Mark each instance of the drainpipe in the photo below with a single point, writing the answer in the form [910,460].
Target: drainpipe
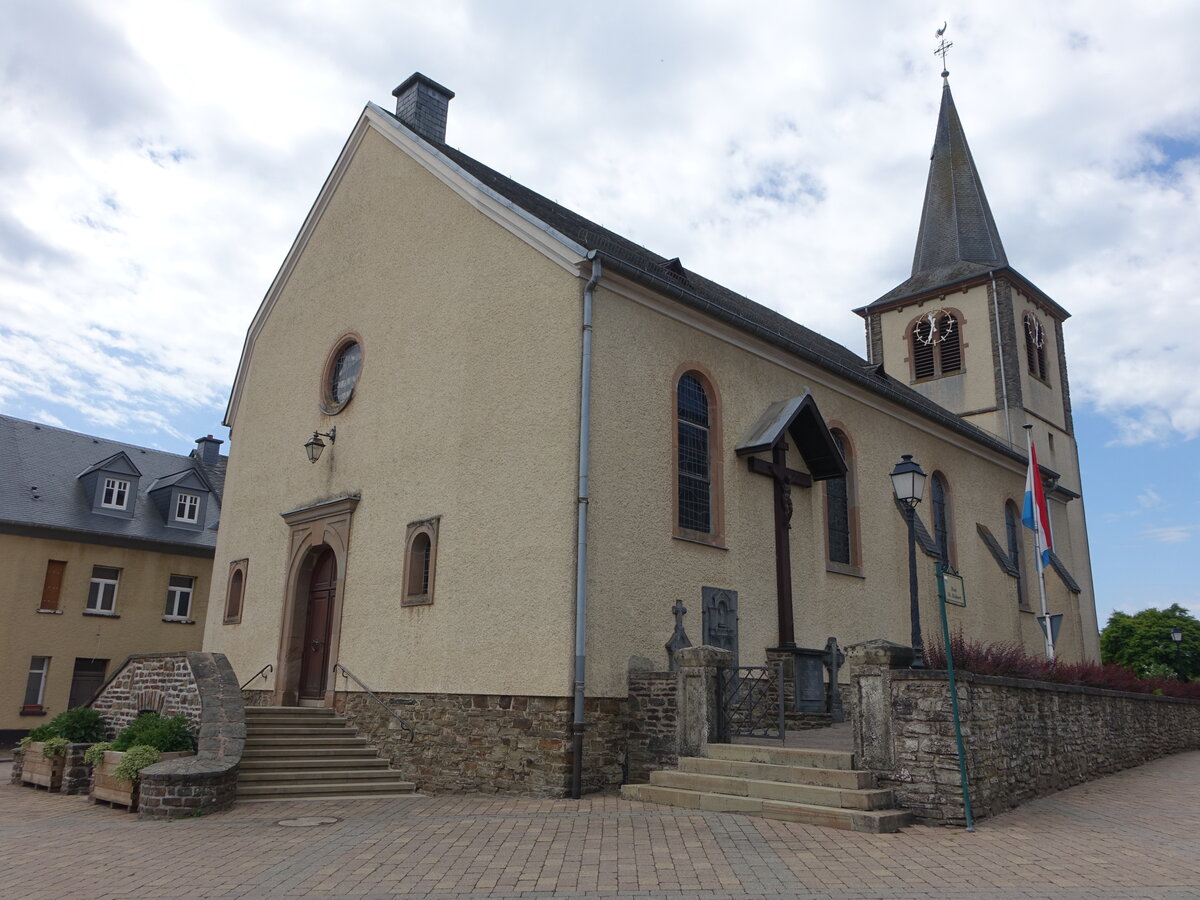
[585,427]
[1000,354]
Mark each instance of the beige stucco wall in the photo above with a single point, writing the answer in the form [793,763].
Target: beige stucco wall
[638,569]
[138,626]
[467,408]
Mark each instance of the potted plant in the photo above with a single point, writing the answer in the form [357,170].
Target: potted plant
[44,750]
[148,739]
[42,760]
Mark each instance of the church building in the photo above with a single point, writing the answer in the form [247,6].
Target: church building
[531,438]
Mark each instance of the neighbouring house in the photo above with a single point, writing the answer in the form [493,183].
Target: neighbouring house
[530,438]
[108,551]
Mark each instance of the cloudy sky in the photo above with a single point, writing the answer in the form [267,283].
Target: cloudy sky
[158,158]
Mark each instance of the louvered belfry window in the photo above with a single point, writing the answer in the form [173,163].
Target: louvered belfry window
[694,463]
[936,346]
[1035,347]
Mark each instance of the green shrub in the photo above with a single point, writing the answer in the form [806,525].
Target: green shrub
[94,755]
[55,746]
[136,759]
[170,735]
[41,733]
[80,725]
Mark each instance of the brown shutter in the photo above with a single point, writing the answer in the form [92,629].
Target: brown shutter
[53,583]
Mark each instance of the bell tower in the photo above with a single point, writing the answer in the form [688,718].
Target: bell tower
[966,329]
[974,335]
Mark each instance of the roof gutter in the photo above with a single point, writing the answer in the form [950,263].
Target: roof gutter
[581,511]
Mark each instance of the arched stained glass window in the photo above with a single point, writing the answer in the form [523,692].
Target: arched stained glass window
[694,459]
[837,510]
[1013,532]
[941,517]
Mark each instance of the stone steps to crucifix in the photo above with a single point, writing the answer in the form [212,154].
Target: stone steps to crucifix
[815,787]
[874,821]
[847,779]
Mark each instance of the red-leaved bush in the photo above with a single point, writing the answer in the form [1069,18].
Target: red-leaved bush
[1011,661]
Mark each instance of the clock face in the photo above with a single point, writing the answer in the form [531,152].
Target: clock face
[344,374]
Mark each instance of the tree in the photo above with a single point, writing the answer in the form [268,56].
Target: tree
[1142,642]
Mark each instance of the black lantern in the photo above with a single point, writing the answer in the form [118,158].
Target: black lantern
[314,445]
[908,483]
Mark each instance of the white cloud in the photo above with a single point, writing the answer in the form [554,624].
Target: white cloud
[1171,534]
[156,161]
[1149,498]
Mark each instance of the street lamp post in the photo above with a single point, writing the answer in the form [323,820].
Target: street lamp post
[908,483]
[1177,637]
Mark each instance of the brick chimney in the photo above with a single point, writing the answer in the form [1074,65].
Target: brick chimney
[421,105]
[208,448]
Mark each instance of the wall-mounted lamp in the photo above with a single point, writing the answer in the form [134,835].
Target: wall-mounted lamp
[315,445]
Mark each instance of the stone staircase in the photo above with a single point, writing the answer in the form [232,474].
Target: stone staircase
[815,787]
[297,753]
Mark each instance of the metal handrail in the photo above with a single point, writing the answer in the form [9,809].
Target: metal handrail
[412,735]
[263,672]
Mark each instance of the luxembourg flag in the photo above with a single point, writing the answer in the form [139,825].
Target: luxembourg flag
[1036,516]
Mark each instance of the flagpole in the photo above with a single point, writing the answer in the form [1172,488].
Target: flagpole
[1039,562]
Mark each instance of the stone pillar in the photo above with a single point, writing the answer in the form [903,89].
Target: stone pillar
[698,712]
[77,775]
[871,664]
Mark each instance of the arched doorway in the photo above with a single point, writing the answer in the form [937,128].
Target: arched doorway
[318,626]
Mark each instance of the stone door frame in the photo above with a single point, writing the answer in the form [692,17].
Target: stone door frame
[312,530]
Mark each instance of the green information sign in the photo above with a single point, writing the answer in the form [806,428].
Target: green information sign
[954,590]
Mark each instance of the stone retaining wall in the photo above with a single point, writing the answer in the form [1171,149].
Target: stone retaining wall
[161,682]
[652,723]
[1023,739]
[490,743]
[203,687]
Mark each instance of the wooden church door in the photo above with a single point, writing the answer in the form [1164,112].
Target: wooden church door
[314,657]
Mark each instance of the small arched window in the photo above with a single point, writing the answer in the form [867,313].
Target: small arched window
[936,345]
[1035,347]
[940,497]
[1013,532]
[841,513]
[420,559]
[694,481]
[235,591]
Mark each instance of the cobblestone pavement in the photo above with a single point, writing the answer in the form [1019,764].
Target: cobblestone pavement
[1134,834]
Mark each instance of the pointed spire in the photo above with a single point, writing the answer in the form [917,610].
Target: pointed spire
[956,221]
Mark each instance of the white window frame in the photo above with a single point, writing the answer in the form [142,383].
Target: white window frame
[187,507]
[178,596]
[41,673]
[103,583]
[116,494]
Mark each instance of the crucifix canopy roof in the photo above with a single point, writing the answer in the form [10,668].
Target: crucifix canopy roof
[800,418]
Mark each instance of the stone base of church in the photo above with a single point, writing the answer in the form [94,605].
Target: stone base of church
[492,743]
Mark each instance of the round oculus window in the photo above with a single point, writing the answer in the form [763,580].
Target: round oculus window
[343,375]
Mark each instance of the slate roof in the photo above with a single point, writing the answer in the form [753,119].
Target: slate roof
[40,492]
[669,277]
[957,238]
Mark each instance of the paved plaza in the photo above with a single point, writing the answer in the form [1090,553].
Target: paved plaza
[1134,834]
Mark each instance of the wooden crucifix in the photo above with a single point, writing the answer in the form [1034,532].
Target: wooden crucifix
[784,478]
[799,419]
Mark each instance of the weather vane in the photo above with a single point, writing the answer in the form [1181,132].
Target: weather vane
[942,48]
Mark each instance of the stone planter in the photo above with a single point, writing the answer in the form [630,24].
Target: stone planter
[41,770]
[109,788]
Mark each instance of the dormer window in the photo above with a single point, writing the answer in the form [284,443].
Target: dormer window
[111,486]
[182,499]
[187,508]
[115,493]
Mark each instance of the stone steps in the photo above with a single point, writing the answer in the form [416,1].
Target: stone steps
[851,779]
[814,787]
[300,753]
